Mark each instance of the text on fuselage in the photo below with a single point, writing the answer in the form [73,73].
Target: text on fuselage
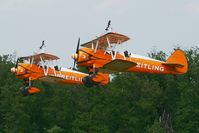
[67,77]
[150,67]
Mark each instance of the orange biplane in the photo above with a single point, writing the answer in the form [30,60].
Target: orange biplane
[40,67]
[100,55]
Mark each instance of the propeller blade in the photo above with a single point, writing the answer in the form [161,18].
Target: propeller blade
[77,50]
[16,65]
[78,46]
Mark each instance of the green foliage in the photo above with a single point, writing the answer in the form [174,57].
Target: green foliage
[55,129]
[132,102]
[156,127]
[159,55]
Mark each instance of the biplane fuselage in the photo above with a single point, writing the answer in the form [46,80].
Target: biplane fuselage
[36,72]
[95,54]
[135,63]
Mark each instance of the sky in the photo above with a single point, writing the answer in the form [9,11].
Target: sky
[160,24]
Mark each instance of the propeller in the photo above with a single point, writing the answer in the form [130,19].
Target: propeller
[14,69]
[16,65]
[76,55]
[78,46]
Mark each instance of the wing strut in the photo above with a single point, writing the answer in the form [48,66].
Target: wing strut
[96,46]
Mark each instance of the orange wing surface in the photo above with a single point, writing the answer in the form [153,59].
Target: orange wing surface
[119,65]
[102,41]
[37,57]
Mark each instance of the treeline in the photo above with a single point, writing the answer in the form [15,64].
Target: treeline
[131,103]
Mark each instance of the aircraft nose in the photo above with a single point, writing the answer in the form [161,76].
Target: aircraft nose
[13,70]
[74,56]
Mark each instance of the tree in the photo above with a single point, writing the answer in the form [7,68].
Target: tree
[132,102]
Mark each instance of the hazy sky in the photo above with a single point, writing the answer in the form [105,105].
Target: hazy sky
[160,23]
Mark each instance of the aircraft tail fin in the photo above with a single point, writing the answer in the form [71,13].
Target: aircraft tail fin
[178,61]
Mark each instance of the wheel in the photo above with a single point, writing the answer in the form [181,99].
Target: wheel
[88,81]
[24,90]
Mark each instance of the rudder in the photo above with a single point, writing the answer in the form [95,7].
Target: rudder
[179,60]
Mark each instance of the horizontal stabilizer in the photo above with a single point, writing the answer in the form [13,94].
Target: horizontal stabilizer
[173,64]
[178,62]
[119,65]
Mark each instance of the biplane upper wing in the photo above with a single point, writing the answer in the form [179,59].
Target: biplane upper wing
[119,65]
[43,56]
[112,37]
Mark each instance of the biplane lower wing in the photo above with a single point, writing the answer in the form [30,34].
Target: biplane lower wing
[51,79]
[119,65]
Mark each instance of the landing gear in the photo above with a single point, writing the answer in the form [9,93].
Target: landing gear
[88,80]
[24,90]
[29,90]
